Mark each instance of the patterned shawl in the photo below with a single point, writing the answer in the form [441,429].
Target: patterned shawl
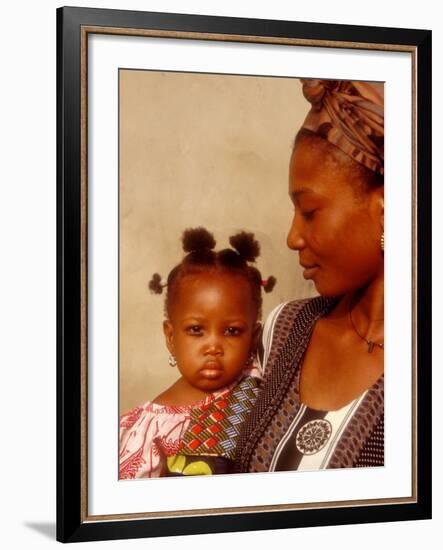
[279,400]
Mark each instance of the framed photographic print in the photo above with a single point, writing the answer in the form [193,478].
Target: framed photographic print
[206,381]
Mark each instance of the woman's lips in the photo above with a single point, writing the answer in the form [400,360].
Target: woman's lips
[309,271]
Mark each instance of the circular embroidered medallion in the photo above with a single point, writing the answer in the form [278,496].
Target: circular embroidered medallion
[313,436]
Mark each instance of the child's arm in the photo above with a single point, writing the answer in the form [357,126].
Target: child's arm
[139,455]
[147,436]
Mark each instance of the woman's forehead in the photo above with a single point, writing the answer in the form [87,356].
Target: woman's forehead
[316,170]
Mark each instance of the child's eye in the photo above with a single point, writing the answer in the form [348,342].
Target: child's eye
[233,331]
[195,330]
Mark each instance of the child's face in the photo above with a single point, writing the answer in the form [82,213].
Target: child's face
[212,329]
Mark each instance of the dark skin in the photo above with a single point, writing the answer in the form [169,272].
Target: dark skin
[336,230]
[211,331]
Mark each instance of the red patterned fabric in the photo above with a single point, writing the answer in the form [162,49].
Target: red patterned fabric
[152,432]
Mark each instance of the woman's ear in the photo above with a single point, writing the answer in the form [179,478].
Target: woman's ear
[169,336]
[377,206]
[382,210]
[380,205]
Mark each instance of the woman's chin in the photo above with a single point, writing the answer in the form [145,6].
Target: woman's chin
[328,291]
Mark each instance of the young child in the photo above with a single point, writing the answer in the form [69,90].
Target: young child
[212,307]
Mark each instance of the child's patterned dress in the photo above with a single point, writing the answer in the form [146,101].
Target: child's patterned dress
[159,440]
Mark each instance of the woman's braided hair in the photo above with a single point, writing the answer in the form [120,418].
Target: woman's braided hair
[201,257]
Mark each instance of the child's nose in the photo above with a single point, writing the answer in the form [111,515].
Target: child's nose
[213,346]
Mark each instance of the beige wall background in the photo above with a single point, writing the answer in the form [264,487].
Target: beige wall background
[198,149]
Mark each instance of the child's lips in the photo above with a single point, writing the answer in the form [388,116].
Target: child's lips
[212,370]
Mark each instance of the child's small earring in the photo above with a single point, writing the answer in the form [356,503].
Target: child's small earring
[172,361]
[250,360]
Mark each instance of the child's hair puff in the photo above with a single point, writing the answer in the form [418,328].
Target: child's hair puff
[201,257]
[155,284]
[197,239]
[269,283]
[245,245]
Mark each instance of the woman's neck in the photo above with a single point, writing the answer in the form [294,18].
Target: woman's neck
[366,306]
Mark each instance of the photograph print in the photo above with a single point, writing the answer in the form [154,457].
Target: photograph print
[251,274]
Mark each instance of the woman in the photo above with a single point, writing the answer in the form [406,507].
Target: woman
[322,404]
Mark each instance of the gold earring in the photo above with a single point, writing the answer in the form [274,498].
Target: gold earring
[382,242]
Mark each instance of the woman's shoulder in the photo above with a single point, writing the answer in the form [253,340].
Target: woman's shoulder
[288,311]
[314,304]
[283,318]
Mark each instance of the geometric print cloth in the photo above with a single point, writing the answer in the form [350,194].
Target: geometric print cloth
[263,439]
[214,429]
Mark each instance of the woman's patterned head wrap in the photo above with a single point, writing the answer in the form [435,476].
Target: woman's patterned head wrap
[350,115]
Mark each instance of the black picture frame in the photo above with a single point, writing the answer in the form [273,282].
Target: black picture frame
[73,523]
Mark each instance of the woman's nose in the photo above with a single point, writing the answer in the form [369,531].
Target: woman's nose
[295,239]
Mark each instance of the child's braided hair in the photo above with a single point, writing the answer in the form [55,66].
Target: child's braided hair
[201,257]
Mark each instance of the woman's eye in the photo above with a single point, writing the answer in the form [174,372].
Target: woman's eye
[308,214]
